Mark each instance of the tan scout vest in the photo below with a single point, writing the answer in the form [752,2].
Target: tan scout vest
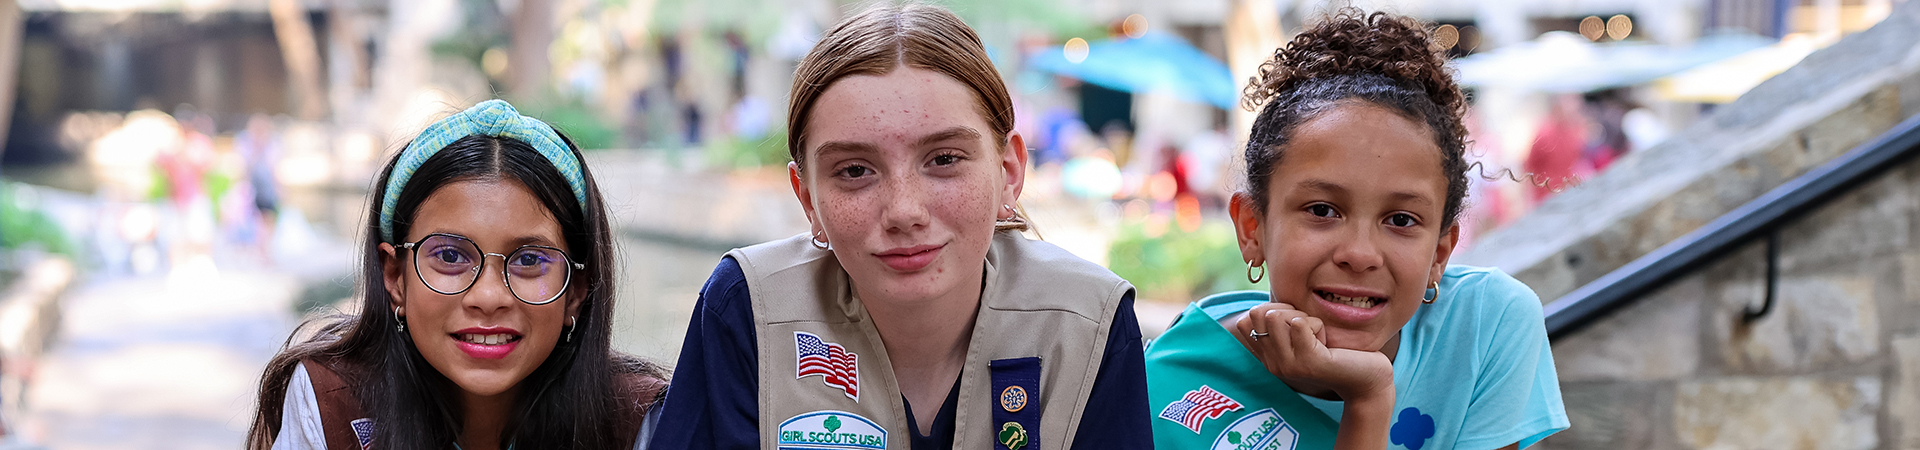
[1038,301]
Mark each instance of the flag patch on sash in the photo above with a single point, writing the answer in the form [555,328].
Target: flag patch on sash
[836,366]
[1195,408]
[363,431]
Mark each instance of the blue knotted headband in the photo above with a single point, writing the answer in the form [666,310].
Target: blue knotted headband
[489,118]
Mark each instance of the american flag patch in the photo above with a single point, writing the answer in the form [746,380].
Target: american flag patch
[836,366]
[363,430]
[1193,409]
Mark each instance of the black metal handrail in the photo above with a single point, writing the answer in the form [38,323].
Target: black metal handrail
[1762,217]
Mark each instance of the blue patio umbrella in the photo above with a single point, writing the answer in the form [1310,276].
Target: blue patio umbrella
[1152,63]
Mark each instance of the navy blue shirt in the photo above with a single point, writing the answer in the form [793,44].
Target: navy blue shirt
[713,402]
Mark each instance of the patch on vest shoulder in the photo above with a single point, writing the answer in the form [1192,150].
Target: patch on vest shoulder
[1262,430]
[831,430]
[363,431]
[1199,405]
[836,366]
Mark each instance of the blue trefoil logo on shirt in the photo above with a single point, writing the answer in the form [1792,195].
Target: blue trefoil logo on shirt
[1411,430]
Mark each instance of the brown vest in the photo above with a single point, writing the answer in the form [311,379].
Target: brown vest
[340,408]
[826,381]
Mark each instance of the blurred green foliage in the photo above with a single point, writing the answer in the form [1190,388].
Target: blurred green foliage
[738,152]
[22,226]
[580,122]
[1178,265]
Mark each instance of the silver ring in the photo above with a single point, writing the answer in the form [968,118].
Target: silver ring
[1255,334]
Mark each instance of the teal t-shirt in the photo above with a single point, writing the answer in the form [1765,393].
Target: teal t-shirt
[1474,369]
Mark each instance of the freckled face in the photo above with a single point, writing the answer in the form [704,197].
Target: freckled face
[1352,231]
[498,216]
[905,179]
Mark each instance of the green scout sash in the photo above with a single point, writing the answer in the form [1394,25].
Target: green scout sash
[1206,391]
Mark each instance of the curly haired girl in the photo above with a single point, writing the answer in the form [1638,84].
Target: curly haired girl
[1366,338]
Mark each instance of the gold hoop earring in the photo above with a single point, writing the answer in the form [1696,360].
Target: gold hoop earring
[1433,294]
[1256,279]
[820,242]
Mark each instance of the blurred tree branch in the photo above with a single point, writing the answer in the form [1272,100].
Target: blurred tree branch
[302,56]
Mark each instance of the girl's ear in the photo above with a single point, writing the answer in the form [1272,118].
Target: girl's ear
[1013,162]
[1442,252]
[393,276]
[1248,226]
[574,300]
[805,195]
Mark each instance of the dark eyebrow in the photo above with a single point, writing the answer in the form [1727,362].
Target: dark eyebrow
[1332,188]
[955,133]
[533,240]
[844,147]
[1404,196]
[1323,186]
[517,241]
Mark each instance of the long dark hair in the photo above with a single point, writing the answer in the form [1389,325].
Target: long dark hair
[1378,58]
[572,401]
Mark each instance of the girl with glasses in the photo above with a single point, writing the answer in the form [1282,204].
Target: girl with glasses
[1366,338]
[914,315]
[486,295]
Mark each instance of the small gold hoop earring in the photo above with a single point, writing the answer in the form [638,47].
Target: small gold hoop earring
[1433,294]
[1256,279]
[820,242]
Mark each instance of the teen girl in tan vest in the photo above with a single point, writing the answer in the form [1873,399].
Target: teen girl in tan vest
[915,315]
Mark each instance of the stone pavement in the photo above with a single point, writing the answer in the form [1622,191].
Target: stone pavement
[159,363]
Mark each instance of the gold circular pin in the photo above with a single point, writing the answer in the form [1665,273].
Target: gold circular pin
[1013,399]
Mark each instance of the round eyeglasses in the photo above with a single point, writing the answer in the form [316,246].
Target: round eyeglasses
[449,264]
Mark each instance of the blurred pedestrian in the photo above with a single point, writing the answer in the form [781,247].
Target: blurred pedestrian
[260,149]
[452,348]
[1558,147]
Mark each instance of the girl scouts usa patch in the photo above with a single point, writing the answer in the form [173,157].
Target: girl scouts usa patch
[1262,430]
[831,430]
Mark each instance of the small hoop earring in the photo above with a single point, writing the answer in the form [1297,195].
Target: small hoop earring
[399,320]
[1256,279]
[819,242]
[571,324]
[1433,293]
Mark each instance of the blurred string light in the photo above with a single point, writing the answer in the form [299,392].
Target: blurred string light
[1593,28]
[1619,27]
[1075,50]
[1446,36]
[1134,26]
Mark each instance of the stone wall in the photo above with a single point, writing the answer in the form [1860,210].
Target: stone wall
[1836,364]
